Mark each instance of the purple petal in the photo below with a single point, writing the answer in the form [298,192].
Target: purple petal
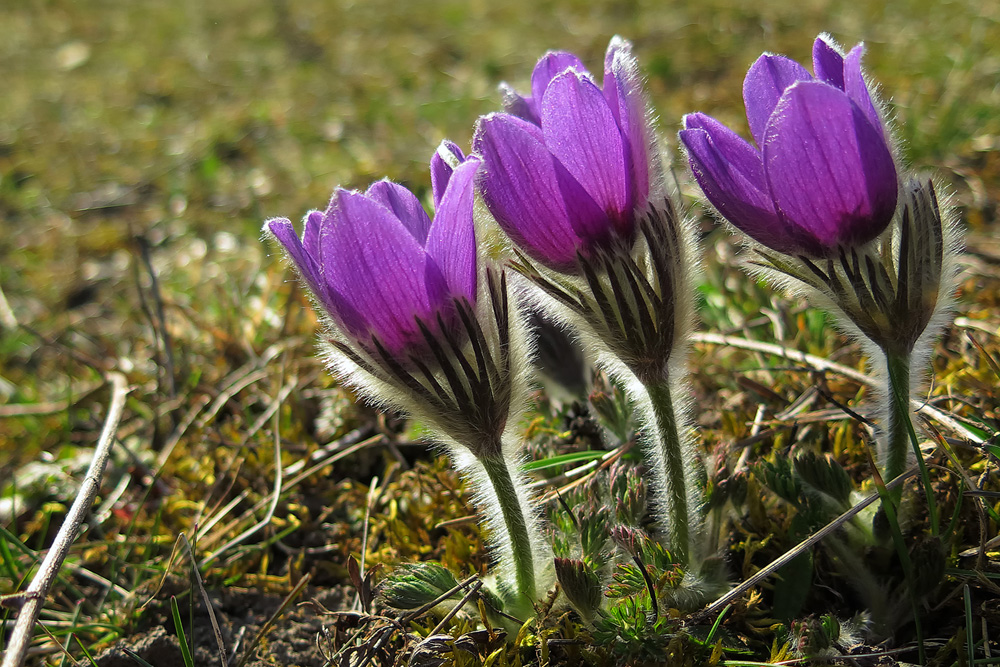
[582,134]
[731,174]
[308,263]
[844,72]
[447,154]
[379,270]
[526,190]
[855,87]
[828,168]
[452,239]
[766,80]
[404,205]
[519,106]
[828,63]
[310,235]
[551,65]
[284,232]
[623,91]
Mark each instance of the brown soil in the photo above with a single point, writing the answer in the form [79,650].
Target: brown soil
[290,642]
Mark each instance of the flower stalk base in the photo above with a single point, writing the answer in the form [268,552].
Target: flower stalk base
[516,524]
[672,485]
[898,424]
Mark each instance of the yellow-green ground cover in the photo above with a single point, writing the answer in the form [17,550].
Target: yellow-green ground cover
[142,144]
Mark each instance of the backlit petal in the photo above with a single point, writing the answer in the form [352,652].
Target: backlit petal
[828,63]
[766,80]
[443,164]
[310,235]
[284,232]
[551,65]
[452,239]
[857,89]
[526,189]
[404,205]
[731,174]
[623,91]
[829,170]
[517,105]
[582,134]
[379,269]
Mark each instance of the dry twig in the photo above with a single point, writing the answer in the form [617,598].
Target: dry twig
[34,595]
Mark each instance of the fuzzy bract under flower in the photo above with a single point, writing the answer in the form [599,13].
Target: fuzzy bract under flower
[377,263]
[821,175]
[566,169]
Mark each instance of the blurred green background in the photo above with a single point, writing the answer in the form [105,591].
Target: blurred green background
[191,119]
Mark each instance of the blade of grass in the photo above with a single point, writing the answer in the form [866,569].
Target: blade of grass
[179,629]
[163,578]
[970,644]
[11,538]
[718,622]
[135,657]
[7,559]
[64,649]
[563,459]
[86,653]
[969,484]
[69,637]
[275,498]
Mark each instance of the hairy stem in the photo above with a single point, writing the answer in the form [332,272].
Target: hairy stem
[516,524]
[668,453]
[897,428]
[900,434]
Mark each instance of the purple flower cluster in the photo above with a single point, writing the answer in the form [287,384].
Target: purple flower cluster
[571,173]
[821,175]
[569,169]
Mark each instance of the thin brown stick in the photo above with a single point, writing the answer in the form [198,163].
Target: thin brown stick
[782,351]
[38,589]
[219,641]
[457,608]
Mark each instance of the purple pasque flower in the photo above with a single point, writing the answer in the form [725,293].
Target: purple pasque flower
[377,263]
[821,175]
[566,169]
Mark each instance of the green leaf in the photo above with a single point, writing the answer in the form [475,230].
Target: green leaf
[792,587]
[416,584]
[563,459]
